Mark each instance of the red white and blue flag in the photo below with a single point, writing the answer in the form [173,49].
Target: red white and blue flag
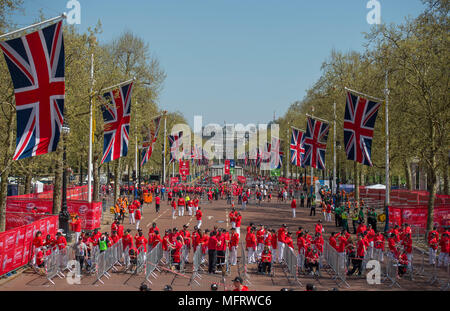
[174,145]
[147,150]
[359,124]
[315,143]
[36,64]
[296,147]
[116,117]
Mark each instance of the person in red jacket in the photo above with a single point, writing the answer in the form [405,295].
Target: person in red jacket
[212,252]
[318,243]
[50,242]
[444,244]
[157,203]
[274,245]
[281,242]
[181,206]
[38,243]
[140,240]
[379,246]
[232,216]
[238,287]
[266,261]
[76,227]
[61,241]
[138,217]
[176,255]
[312,260]
[250,244]
[260,234]
[115,226]
[186,235]
[156,240]
[131,210]
[198,215]
[127,240]
[294,207]
[234,241]
[332,240]
[371,239]
[153,228]
[238,224]
[114,237]
[433,244]
[174,208]
[319,227]
[403,263]
[289,242]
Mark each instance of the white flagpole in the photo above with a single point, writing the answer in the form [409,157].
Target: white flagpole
[387,193]
[164,152]
[333,188]
[288,153]
[90,132]
[54,19]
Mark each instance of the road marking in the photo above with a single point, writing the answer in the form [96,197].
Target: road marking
[156,218]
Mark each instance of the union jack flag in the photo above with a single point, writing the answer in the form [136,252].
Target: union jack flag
[315,143]
[276,154]
[116,117]
[36,64]
[174,145]
[147,152]
[359,123]
[297,149]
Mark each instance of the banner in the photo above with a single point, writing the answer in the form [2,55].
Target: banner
[174,180]
[226,167]
[417,216]
[242,179]
[275,172]
[184,167]
[216,179]
[16,243]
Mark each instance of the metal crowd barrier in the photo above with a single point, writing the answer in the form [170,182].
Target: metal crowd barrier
[243,270]
[291,262]
[106,260]
[391,271]
[196,265]
[140,263]
[63,260]
[336,262]
[301,262]
[152,261]
[184,250]
[51,266]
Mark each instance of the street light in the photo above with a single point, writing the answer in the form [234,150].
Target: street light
[64,214]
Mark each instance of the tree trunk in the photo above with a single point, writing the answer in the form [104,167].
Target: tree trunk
[6,170]
[57,185]
[446,190]
[408,174]
[96,179]
[28,177]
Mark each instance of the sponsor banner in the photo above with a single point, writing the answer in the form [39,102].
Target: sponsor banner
[226,167]
[216,179]
[16,243]
[174,180]
[242,179]
[184,167]
[417,216]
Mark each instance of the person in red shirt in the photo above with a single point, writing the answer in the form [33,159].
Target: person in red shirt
[361,228]
[312,261]
[198,215]
[50,242]
[328,211]
[212,252]
[181,206]
[176,255]
[266,261]
[371,239]
[174,208]
[114,237]
[238,287]
[403,263]
[332,240]
[138,217]
[232,216]
[221,248]
[141,241]
[76,227]
[318,243]
[186,235]
[319,227]
[281,242]
[127,240]
[294,207]
[444,244]
[433,244]
[131,210]
[260,235]
[342,243]
[234,241]
[392,244]
[250,244]
[156,239]
[238,223]
[157,203]
[115,226]
[289,241]
[38,243]
[153,228]
[61,241]
[407,246]
[379,246]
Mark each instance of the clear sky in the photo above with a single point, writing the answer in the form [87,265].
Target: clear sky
[237,61]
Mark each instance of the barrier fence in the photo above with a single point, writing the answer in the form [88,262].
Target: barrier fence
[336,262]
[291,262]
[152,261]
[243,266]
[196,265]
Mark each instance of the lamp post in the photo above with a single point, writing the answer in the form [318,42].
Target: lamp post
[64,214]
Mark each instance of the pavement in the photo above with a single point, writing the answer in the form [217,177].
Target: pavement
[271,214]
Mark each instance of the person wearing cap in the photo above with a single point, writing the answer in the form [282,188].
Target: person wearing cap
[238,287]
[281,238]
[61,241]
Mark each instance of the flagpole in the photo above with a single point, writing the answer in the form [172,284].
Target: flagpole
[117,85]
[288,158]
[164,152]
[90,132]
[311,116]
[333,188]
[54,19]
[387,194]
[362,94]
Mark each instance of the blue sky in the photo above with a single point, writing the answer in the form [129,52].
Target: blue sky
[237,61]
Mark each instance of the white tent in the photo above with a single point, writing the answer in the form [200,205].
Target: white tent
[377,186]
[38,187]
